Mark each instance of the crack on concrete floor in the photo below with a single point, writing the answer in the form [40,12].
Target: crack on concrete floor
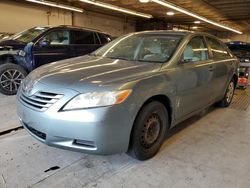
[10,130]
[3,178]
[56,172]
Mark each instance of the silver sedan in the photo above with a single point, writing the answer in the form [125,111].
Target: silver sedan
[126,95]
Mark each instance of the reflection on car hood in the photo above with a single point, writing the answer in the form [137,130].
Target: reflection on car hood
[91,71]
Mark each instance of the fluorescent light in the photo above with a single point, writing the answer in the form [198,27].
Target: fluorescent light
[197,22]
[194,27]
[144,1]
[116,8]
[170,13]
[182,10]
[57,5]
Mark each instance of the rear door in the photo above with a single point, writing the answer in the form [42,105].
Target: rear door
[54,46]
[193,77]
[223,64]
[84,42]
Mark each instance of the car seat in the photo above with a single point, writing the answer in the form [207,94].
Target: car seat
[188,54]
[155,53]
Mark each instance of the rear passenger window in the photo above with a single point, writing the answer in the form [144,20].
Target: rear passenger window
[195,50]
[103,38]
[218,50]
[82,37]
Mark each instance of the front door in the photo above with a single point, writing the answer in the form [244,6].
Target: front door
[53,47]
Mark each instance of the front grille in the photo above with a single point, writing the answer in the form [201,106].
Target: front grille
[36,132]
[40,101]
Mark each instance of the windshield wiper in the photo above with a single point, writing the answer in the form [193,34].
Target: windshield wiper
[140,60]
[121,58]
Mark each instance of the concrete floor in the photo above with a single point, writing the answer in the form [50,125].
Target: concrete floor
[8,117]
[210,152]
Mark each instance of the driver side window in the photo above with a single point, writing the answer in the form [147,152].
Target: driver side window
[57,38]
[196,50]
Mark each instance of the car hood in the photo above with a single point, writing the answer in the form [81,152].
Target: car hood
[11,44]
[84,71]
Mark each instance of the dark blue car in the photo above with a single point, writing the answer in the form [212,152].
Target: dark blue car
[37,46]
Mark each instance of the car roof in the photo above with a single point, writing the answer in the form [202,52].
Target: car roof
[76,27]
[172,32]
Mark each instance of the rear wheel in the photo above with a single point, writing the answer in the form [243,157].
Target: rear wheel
[148,131]
[11,76]
[226,101]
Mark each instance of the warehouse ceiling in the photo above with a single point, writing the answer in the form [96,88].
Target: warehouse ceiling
[232,13]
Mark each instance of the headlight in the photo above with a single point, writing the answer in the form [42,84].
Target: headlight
[97,99]
[21,53]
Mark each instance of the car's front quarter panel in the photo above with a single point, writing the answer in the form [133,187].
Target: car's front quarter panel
[157,84]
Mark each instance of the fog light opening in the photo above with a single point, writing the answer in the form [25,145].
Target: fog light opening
[84,143]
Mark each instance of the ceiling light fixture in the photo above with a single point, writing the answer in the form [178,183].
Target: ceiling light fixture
[187,12]
[170,13]
[194,27]
[116,8]
[197,22]
[56,5]
[144,1]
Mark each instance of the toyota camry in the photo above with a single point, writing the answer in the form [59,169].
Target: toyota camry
[126,95]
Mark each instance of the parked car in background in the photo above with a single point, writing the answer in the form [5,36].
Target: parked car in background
[5,35]
[242,51]
[243,74]
[25,51]
[126,95]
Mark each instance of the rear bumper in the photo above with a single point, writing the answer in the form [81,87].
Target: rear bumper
[242,84]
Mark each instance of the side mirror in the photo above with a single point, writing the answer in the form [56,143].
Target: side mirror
[184,61]
[44,43]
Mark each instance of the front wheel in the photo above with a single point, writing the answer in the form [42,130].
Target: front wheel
[227,99]
[11,76]
[148,131]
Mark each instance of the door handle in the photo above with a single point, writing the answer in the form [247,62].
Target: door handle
[211,68]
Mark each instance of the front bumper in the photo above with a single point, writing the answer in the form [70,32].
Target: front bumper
[104,130]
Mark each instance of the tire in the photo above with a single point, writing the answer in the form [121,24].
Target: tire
[11,76]
[148,131]
[227,99]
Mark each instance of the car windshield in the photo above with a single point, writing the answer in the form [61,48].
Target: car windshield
[141,47]
[29,35]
